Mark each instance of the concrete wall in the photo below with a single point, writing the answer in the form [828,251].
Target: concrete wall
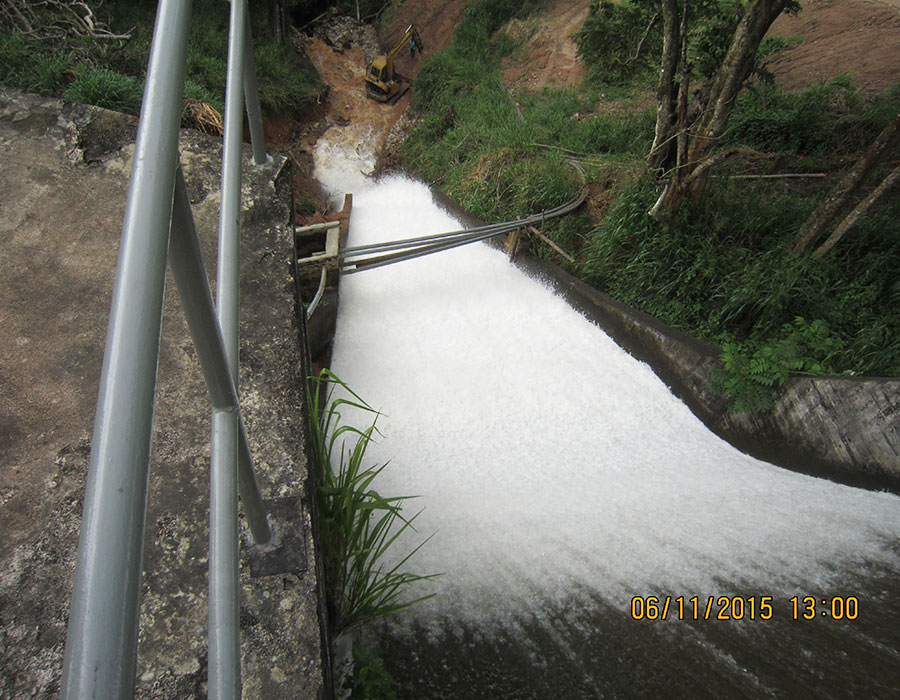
[843,428]
[64,171]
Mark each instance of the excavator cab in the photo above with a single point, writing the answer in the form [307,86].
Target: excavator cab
[383,84]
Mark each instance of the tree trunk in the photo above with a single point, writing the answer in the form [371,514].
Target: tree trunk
[277,17]
[857,212]
[814,226]
[689,178]
[665,91]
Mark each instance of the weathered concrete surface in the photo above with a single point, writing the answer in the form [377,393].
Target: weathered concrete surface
[63,184]
[842,428]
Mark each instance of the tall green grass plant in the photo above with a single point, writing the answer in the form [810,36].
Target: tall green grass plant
[359,526]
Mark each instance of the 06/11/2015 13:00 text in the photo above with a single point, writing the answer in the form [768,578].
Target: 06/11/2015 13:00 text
[741,608]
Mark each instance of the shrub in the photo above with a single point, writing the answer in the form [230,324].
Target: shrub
[106,88]
[368,679]
[609,38]
[753,371]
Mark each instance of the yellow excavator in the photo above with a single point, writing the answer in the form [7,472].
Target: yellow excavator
[382,83]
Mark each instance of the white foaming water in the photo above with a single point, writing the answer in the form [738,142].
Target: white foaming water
[549,462]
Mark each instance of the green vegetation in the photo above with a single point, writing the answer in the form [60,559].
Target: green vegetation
[110,72]
[752,370]
[358,525]
[106,88]
[368,679]
[608,42]
[481,145]
[722,271]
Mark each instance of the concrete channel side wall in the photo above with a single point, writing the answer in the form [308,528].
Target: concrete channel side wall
[843,428]
[64,172]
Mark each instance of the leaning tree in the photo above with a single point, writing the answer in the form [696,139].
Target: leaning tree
[690,125]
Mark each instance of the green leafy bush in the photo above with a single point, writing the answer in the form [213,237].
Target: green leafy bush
[609,38]
[368,679]
[753,371]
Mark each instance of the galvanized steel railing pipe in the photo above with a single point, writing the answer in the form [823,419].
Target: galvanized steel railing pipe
[101,643]
[224,586]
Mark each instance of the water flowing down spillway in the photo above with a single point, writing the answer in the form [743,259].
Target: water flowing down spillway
[562,478]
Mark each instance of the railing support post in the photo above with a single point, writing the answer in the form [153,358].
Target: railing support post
[101,641]
[196,299]
[251,97]
[224,631]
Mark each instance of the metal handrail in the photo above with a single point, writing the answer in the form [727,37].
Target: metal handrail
[101,643]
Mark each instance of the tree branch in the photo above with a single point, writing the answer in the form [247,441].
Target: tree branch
[825,212]
[857,212]
[653,21]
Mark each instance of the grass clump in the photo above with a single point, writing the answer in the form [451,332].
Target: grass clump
[106,88]
[358,525]
[25,66]
[829,118]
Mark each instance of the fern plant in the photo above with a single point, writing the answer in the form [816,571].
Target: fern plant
[752,372]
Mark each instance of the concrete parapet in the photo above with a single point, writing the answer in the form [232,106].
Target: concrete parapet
[64,169]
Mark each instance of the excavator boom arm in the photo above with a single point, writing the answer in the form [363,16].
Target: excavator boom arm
[411,34]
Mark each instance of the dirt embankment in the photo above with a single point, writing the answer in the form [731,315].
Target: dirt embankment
[549,54]
[858,37]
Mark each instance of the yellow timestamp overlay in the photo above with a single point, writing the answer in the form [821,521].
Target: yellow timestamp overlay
[725,607]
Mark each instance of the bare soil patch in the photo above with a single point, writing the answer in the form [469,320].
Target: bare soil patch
[435,21]
[549,56]
[859,37]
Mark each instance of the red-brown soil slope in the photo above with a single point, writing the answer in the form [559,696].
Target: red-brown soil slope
[859,37]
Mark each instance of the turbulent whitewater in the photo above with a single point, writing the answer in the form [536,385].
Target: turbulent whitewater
[550,463]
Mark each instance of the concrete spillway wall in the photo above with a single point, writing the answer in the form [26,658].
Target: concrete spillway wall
[842,428]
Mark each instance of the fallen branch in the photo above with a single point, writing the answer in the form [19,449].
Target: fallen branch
[551,244]
[54,19]
[843,191]
[857,212]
